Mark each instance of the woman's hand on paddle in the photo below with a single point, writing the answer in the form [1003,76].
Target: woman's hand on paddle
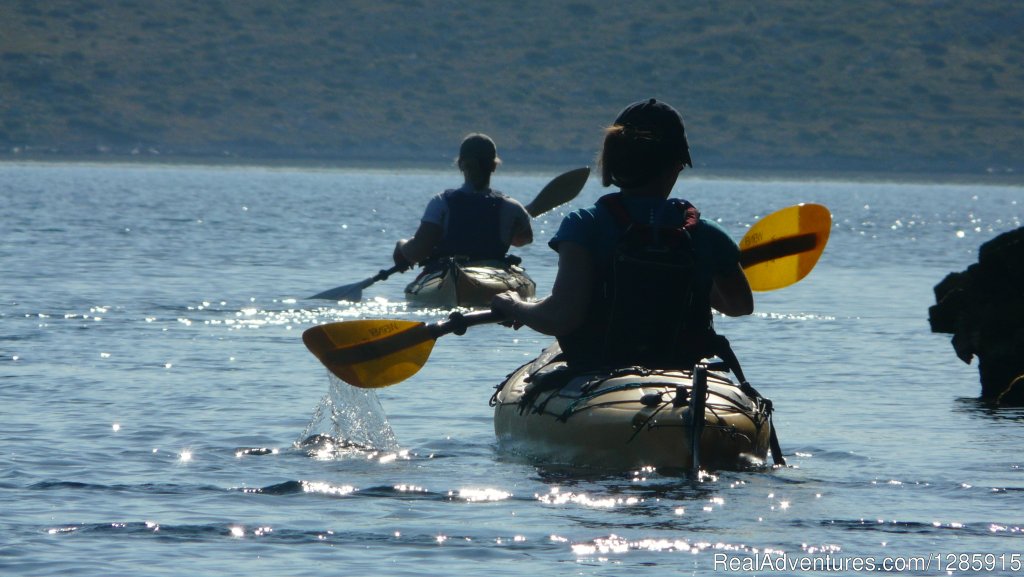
[508,304]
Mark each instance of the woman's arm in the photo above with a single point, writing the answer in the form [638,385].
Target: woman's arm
[731,294]
[517,220]
[523,236]
[419,247]
[565,308]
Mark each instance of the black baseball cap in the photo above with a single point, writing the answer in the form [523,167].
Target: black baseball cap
[661,121]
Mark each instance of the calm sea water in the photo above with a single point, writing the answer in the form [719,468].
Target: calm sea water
[153,386]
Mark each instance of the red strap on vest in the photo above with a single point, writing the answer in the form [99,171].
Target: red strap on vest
[615,205]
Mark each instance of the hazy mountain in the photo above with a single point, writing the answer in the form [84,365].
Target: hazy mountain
[803,84]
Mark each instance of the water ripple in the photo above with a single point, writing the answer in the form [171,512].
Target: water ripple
[923,528]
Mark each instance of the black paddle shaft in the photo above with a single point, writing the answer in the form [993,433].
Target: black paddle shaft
[457,322]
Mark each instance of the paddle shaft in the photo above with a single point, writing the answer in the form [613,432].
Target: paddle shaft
[458,322]
[354,291]
[384,274]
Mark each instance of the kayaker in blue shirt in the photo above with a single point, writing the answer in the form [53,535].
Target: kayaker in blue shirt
[669,308]
[473,221]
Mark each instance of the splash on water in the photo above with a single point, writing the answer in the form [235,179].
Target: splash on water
[348,421]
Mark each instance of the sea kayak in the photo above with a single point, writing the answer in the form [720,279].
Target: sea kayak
[631,417]
[453,282]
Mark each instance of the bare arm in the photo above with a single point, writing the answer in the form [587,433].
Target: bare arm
[565,308]
[522,229]
[419,247]
[731,294]
[523,237]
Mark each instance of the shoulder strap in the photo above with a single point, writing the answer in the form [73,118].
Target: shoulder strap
[614,204]
[659,233]
[690,212]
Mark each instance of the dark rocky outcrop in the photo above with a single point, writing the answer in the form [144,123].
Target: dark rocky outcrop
[983,308]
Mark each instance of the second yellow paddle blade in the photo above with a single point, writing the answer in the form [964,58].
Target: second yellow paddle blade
[371,353]
[784,246]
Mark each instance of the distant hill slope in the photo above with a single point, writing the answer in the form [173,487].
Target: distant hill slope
[874,84]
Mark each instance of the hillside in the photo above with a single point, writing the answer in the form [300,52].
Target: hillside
[916,85]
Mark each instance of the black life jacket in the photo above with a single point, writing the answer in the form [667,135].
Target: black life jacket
[643,308]
[474,226]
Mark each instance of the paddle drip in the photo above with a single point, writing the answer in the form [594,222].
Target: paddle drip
[347,420]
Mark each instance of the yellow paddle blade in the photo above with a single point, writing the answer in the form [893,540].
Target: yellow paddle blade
[371,353]
[784,246]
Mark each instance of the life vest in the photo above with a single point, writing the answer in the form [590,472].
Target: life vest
[643,307]
[474,226]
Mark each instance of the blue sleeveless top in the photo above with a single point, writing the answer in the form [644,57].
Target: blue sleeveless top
[641,311]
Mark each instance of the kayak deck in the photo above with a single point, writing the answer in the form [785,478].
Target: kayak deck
[628,417]
[454,283]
